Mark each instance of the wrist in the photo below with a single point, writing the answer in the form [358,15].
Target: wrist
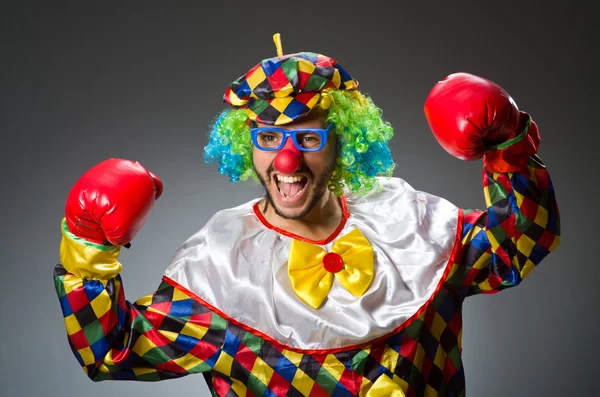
[513,154]
[87,259]
[514,140]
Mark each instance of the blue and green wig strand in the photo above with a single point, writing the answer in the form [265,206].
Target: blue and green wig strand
[362,140]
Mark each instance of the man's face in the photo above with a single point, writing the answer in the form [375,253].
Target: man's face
[293,195]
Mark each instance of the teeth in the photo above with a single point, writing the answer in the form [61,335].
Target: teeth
[288,179]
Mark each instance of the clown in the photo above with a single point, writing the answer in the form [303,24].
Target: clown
[341,280]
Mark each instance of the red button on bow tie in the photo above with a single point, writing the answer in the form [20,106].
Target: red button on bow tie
[333,262]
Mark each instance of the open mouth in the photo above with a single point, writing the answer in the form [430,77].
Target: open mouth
[291,187]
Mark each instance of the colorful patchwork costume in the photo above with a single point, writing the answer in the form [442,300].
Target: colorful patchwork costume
[373,310]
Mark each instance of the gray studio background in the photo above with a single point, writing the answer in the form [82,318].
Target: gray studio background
[81,82]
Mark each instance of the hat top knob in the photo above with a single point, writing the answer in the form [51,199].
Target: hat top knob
[277,41]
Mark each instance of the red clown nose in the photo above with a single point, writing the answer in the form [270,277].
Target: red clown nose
[287,160]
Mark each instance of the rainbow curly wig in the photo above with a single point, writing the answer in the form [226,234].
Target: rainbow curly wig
[362,138]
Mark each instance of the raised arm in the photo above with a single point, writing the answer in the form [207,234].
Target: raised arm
[164,335]
[472,117]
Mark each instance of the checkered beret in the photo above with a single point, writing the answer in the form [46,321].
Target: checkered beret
[282,89]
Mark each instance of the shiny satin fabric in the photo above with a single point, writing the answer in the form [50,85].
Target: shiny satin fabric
[240,266]
[86,259]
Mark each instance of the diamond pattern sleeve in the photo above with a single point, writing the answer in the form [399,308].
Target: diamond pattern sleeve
[500,246]
[161,336]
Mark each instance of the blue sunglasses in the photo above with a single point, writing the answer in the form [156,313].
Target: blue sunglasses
[305,139]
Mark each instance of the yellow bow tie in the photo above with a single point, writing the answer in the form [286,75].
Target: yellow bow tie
[311,268]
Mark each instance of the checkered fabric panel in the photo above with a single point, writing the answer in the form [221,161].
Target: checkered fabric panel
[168,335]
[161,336]
[423,359]
[501,246]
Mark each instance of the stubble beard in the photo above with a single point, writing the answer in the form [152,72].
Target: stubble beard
[318,189]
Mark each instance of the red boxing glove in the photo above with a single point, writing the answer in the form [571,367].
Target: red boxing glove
[111,201]
[471,116]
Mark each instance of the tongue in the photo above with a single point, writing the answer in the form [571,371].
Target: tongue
[291,189]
